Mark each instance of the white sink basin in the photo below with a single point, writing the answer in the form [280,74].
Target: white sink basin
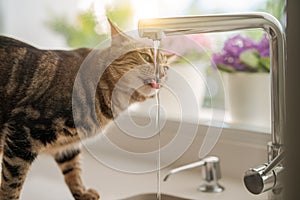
[153,196]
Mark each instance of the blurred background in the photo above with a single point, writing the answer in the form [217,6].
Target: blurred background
[67,24]
[77,23]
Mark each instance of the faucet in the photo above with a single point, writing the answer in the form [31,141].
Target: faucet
[264,177]
[211,173]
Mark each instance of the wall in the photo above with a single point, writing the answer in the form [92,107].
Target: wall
[292,136]
[18,21]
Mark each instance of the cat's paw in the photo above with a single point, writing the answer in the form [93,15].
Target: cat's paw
[89,195]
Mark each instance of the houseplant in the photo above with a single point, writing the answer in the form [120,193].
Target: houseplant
[246,65]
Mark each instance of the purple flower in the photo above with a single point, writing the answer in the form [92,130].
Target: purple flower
[263,47]
[229,59]
[237,44]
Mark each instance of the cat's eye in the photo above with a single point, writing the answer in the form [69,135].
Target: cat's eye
[146,57]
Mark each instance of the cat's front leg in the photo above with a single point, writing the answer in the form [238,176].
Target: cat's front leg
[69,163]
[18,154]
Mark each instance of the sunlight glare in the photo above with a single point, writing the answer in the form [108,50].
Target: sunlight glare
[145,9]
[231,6]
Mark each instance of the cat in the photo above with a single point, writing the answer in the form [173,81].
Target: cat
[37,97]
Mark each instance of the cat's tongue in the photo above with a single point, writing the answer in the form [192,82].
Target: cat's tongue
[154,84]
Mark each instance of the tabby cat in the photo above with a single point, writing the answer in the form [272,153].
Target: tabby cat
[37,96]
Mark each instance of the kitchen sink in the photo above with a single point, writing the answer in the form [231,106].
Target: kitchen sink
[153,196]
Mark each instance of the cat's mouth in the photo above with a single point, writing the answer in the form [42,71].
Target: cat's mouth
[153,83]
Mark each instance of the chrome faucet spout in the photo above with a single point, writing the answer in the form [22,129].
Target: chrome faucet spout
[158,28]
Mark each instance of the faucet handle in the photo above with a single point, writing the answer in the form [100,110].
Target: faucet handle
[264,177]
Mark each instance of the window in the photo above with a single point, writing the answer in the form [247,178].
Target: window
[72,25]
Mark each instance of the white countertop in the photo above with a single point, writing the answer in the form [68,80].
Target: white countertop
[238,150]
[46,182]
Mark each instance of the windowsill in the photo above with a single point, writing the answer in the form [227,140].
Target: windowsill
[208,117]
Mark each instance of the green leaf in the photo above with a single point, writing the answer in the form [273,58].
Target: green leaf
[265,62]
[251,58]
[81,33]
[226,68]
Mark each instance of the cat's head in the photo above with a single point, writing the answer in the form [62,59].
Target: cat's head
[133,70]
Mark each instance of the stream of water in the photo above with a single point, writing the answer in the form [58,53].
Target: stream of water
[156,44]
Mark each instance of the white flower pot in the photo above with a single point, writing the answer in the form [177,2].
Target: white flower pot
[248,99]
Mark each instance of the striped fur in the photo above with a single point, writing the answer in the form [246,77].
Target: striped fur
[36,88]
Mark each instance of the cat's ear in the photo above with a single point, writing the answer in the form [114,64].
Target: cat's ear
[171,57]
[116,34]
